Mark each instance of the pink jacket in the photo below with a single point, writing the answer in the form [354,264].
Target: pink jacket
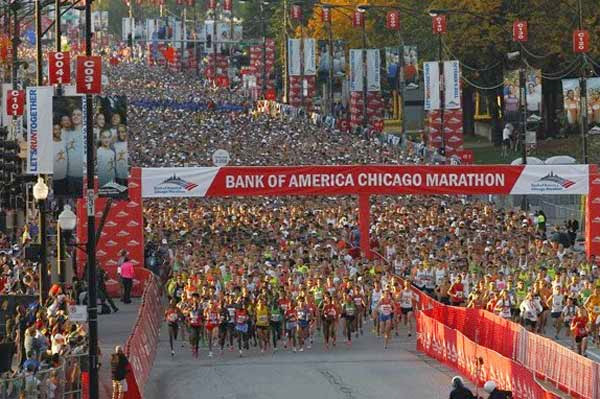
[127,270]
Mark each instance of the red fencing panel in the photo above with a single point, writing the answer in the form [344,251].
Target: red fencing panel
[478,363]
[143,341]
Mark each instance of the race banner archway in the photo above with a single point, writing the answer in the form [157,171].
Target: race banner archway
[366,180]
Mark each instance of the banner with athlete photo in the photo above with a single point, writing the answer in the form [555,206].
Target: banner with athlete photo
[99,21]
[593,96]
[452,93]
[411,69]
[110,136]
[39,129]
[356,70]
[373,70]
[392,64]
[512,96]
[68,145]
[572,98]
[294,67]
[533,84]
[431,80]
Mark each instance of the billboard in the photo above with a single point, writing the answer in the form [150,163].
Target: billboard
[68,145]
[110,135]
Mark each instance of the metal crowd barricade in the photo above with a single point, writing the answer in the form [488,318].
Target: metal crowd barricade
[62,382]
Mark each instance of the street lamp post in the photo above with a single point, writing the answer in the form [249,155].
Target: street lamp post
[40,193]
[67,221]
[330,80]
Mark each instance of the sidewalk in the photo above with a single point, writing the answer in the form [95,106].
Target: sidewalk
[113,330]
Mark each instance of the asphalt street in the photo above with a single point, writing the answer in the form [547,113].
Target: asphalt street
[363,371]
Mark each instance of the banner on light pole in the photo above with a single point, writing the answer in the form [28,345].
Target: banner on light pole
[310,59]
[452,85]
[373,70]
[431,80]
[39,130]
[356,70]
[294,57]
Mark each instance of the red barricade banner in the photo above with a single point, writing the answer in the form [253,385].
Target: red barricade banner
[476,362]
[123,229]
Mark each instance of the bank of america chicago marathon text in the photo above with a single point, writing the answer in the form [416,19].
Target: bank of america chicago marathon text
[339,180]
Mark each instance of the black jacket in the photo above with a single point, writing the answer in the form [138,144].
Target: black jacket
[498,394]
[118,366]
[461,393]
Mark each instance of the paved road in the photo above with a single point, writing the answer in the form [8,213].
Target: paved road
[365,370]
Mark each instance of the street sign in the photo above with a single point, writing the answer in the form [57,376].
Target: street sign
[59,67]
[439,24]
[392,20]
[15,102]
[581,41]
[220,158]
[520,33]
[89,75]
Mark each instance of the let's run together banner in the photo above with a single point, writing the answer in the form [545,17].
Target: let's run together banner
[372,179]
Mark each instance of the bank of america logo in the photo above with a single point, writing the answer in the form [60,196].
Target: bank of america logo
[561,181]
[178,181]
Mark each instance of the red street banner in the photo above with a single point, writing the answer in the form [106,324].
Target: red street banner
[466,156]
[227,5]
[581,41]
[89,74]
[15,102]
[270,95]
[59,67]
[368,179]
[392,20]
[358,19]
[296,12]
[325,14]
[212,4]
[439,24]
[520,31]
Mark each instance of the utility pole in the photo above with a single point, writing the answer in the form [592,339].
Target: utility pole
[286,87]
[365,67]
[330,80]
[442,98]
[91,233]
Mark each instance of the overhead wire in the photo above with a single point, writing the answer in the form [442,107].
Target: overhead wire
[471,68]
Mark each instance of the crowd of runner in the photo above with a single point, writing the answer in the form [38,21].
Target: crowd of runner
[258,269]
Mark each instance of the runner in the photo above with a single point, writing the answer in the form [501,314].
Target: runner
[172,316]
[330,318]
[407,304]
[262,324]
[303,317]
[212,316]
[195,323]
[276,321]
[580,331]
[291,324]
[241,325]
[349,313]
[385,311]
